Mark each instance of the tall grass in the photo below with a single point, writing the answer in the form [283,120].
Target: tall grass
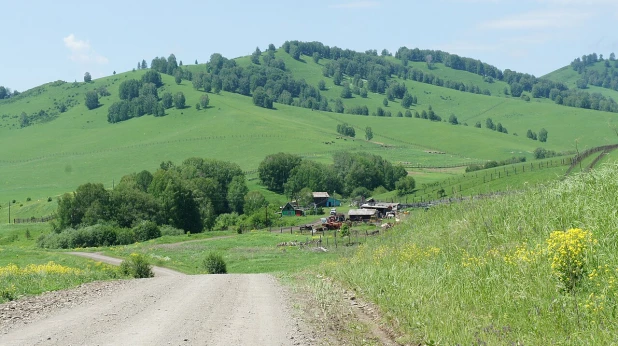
[481,272]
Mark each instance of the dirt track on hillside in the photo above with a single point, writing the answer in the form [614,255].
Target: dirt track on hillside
[172,309]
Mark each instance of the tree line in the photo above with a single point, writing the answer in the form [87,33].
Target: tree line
[607,77]
[351,174]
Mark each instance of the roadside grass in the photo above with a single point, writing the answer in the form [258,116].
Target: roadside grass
[27,270]
[252,252]
[480,272]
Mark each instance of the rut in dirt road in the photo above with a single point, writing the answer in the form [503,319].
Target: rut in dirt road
[174,309]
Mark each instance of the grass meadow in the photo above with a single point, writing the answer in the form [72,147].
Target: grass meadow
[79,146]
[496,272]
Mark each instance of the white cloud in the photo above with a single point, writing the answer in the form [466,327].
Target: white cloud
[538,20]
[82,52]
[357,4]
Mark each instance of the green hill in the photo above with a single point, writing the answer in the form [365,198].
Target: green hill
[61,150]
[600,75]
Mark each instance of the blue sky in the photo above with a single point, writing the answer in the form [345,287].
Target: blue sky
[45,41]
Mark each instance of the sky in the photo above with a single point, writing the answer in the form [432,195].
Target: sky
[45,41]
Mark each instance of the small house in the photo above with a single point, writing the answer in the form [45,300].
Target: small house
[323,199]
[362,214]
[320,199]
[288,210]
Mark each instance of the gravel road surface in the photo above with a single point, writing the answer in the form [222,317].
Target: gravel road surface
[169,309]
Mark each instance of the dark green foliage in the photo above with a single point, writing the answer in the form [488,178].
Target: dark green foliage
[405,185]
[531,135]
[275,170]
[368,133]
[408,114]
[346,93]
[204,101]
[543,135]
[542,153]
[321,85]
[152,76]
[477,124]
[167,100]
[363,93]
[407,100]
[399,114]
[490,164]
[346,130]
[261,98]
[490,124]
[87,77]
[214,264]
[385,102]
[92,99]
[358,110]
[146,230]
[313,176]
[136,266]
[255,57]
[366,170]
[129,89]
[453,120]
[179,100]
[254,201]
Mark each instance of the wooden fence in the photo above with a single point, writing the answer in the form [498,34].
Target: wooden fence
[35,219]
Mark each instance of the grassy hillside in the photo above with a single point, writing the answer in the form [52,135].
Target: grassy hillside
[78,146]
[496,272]
[569,77]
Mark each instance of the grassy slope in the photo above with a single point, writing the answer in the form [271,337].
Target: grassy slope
[480,272]
[80,146]
[569,77]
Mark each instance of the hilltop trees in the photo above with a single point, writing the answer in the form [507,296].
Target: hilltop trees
[87,77]
[139,97]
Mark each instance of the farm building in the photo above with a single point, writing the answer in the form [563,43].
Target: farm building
[323,199]
[382,208]
[289,210]
[362,214]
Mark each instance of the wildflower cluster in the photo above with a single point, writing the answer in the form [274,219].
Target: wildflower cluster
[603,280]
[39,269]
[567,252]
[523,255]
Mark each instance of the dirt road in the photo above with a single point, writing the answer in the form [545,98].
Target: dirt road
[174,309]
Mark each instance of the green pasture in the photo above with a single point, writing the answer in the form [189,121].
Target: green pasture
[481,271]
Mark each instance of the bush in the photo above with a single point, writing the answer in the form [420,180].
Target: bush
[49,199]
[125,236]
[214,264]
[136,266]
[28,199]
[171,231]
[146,230]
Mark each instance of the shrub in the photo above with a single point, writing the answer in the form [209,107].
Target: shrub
[568,252]
[171,231]
[146,230]
[136,266]
[214,264]
[28,199]
[125,236]
[49,199]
